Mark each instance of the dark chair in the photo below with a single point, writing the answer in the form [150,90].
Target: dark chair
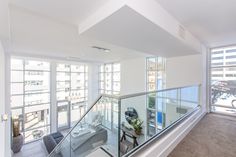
[52,140]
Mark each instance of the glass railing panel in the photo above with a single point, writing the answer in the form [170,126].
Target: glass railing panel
[134,114]
[144,116]
[189,99]
[115,126]
[96,131]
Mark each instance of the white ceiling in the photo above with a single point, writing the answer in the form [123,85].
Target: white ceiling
[141,34]
[34,34]
[69,11]
[212,21]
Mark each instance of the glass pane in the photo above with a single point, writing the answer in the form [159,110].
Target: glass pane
[32,99]
[65,86]
[63,76]
[164,109]
[63,95]
[18,113]
[223,93]
[91,128]
[16,76]
[189,94]
[155,73]
[152,76]
[223,84]
[16,88]
[108,82]
[116,86]
[62,110]
[63,67]
[77,110]
[35,118]
[223,110]
[36,134]
[77,94]
[77,68]
[161,64]
[36,82]
[77,80]
[108,67]
[116,67]
[116,76]
[101,91]
[101,76]
[16,101]
[16,64]
[36,65]
[102,68]
[86,84]
[151,87]
[151,64]
[101,85]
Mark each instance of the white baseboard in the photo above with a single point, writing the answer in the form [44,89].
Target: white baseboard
[164,146]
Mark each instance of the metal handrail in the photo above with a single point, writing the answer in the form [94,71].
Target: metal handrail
[151,92]
[126,96]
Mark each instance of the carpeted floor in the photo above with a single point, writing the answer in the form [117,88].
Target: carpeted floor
[213,136]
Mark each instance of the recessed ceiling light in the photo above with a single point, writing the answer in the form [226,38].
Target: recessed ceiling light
[107,50]
[101,49]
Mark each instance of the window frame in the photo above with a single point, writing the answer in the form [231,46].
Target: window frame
[226,52]
[23,94]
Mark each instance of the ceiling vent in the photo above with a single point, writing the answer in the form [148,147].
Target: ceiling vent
[101,48]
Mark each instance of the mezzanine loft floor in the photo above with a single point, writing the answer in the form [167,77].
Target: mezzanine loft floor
[213,136]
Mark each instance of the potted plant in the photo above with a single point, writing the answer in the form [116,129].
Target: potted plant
[151,101]
[137,125]
[17,140]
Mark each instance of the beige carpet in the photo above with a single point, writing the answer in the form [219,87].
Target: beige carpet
[213,136]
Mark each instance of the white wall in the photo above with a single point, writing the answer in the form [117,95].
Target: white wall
[180,71]
[93,82]
[36,34]
[2,100]
[4,19]
[133,75]
[184,71]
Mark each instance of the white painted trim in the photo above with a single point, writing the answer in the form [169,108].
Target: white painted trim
[8,151]
[164,146]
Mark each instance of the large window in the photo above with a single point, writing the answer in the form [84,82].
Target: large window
[109,83]
[72,93]
[30,96]
[223,80]
[109,79]
[155,73]
[33,99]
[156,80]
